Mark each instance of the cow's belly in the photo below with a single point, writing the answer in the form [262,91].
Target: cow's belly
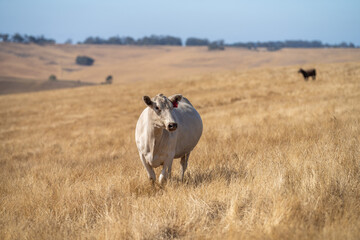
[185,146]
[188,138]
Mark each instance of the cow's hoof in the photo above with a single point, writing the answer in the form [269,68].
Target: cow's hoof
[162,179]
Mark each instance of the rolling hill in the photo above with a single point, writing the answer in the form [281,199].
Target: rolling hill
[132,64]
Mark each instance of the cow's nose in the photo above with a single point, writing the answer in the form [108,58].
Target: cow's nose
[172,126]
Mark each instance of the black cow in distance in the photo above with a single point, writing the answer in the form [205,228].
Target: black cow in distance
[308,73]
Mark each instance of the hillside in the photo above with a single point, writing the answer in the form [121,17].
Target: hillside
[130,64]
[279,157]
[10,85]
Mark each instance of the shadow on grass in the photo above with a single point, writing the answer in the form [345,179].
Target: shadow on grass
[198,178]
[145,189]
[193,179]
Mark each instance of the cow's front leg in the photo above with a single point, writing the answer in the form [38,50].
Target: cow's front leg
[149,169]
[166,171]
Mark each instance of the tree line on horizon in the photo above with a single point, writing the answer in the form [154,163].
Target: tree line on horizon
[176,41]
[18,38]
[151,40]
[276,45]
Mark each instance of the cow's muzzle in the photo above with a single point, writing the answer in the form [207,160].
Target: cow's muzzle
[172,127]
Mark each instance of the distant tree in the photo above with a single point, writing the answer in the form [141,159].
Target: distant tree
[216,45]
[52,77]
[84,60]
[114,40]
[196,42]
[152,40]
[94,40]
[32,39]
[17,38]
[344,45]
[172,41]
[4,37]
[273,49]
[159,40]
[41,40]
[109,79]
[69,41]
[128,41]
[248,45]
[272,46]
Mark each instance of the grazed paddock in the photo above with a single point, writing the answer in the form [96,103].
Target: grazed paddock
[279,159]
[130,64]
[11,85]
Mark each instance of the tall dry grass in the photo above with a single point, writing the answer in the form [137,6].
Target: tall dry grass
[279,159]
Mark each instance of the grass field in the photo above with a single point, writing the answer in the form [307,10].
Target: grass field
[279,159]
[130,64]
[11,85]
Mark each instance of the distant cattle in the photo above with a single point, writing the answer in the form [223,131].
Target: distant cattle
[308,73]
[168,128]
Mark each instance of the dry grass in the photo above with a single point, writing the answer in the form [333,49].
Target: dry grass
[279,159]
[130,63]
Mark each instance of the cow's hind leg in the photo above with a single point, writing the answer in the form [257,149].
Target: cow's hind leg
[184,163]
[149,169]
[169,166]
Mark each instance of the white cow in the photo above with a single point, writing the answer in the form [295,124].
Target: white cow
[168,128]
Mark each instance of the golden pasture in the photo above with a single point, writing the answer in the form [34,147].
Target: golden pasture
[279,157]
[130,63]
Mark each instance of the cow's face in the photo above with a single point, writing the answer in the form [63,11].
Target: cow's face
[163,107]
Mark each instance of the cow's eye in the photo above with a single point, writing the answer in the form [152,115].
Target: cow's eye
[157,108]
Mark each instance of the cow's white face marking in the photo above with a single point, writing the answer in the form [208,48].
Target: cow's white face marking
[163,107]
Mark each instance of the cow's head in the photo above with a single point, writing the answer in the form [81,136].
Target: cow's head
[163,108]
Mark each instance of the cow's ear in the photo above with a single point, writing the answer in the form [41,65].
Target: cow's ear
[147,101]
[175,99]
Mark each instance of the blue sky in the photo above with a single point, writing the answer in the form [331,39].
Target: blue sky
[331,21]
